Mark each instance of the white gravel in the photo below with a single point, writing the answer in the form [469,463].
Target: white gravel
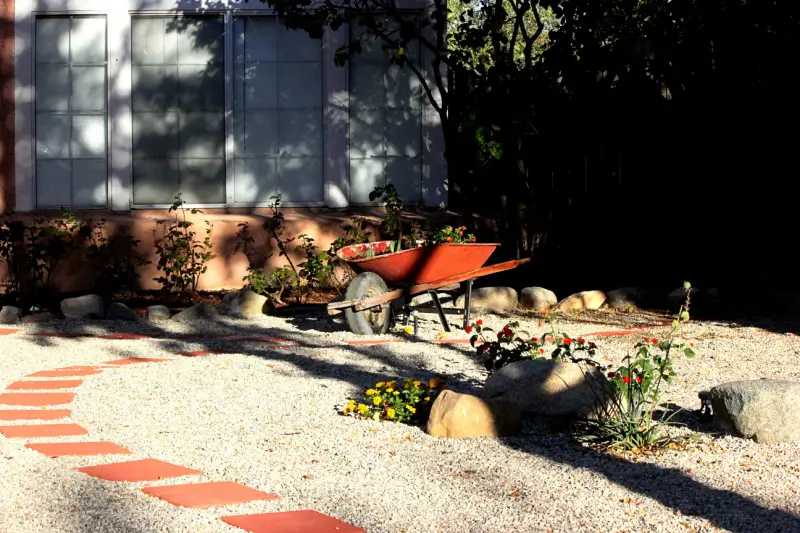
[269,419]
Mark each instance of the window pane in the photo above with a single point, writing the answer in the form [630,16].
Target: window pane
[53,182]
[300,85]
[365,175]
[259,86]
[296,45]
[405,174]
[147,37]
[200,39]
[402,88]
[89,136]
[256,179]
[201,87]
[88,40]
[260,130]
[403,132]
[367,86]
[367,134]
[52,40]
[203,180]
[154,88]
[258,40]
[155,181]
[155,135]
[202,135]
[52,88]
[89,88]
[89,182]
[300,179]
[52,136]
[300,132]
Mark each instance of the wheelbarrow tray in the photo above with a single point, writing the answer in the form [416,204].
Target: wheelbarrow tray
[420,265]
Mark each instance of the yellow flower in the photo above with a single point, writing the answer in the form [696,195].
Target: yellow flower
[346,411]
[391,384]
[370,392]
[379,384]
[427,398]
[389,389]
[417,384]
[396,393]
[351,404]
[390,413]
[409,329]
[411,408]
[363,409]
[433,383]
[406,386]
[377,400]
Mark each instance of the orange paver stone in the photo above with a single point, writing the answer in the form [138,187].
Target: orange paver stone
[204,495]
[35,399]
[273,340]
[65,373]
[451,341]
[142,470]
[291,522]
[133,360]
[35,431]
[61,449]
[610,333]
[7,331]
[45,385]
[33,414]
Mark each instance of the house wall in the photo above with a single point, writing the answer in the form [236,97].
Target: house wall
[6,104]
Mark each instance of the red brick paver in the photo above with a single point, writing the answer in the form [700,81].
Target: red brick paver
[8,331]
[35,431]
[61,449]
[291,522]
[204,495]
[33,414]
[142,470]
[33,399]
[45,385]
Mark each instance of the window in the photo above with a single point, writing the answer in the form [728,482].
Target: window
[178,108]
[71,116]
[277,112]
[385,123]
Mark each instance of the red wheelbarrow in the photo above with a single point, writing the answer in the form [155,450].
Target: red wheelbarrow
[367,302]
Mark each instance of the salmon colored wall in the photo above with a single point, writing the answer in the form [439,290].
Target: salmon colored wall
[6,105]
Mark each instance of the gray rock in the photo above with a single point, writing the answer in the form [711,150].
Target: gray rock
[583,300]
[548,388]
[766,410]
[537,299]
[88,306]
[491,299]
[425,299]
[120,311]
[250,303]
[201,311]
[39,318]
[625,298]
[155,313]
[9,315]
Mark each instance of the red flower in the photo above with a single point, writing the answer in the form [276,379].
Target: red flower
[507,331]
[473,238]
[449,239]
[549,339]
[592,346]
[646,340]
[567,341]
[540,323]
[479,322]
[611,375]
[499,334]
[655,341]
[581,340]
[535,339]
[484,347]
[541,350]
[626,379]
[638,379]
[468,329]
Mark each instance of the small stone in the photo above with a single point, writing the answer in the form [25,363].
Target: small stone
[491,299]
[9,315]
[155,313]
[548,388]
[583,300]
[250,303]
[88,306]
[120,311]
[39,318]
[201,311]
[764,410]
[455,415]
[537,299]
[625,298]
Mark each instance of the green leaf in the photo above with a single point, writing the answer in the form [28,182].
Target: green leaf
[688,352]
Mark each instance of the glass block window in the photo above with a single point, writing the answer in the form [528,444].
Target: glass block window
[277,102]
[178,109]
[385,122]
[71,112]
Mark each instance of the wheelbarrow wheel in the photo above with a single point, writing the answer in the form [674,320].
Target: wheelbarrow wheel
[369,321]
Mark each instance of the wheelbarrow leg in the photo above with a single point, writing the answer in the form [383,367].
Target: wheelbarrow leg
[438,304]
[468,301]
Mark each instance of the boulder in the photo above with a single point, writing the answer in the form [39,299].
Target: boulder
[88,306]
[201,311]
[250,303]
[491,299]
[456,415]
[548,388]
[9,314]
[583,300]
[538,299]
[39,318]
[625,298]
[426,300]
[154,313]
[120,311]
[764,410]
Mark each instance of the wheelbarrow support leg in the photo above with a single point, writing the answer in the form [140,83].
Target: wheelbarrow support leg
[442,317]
[468,301]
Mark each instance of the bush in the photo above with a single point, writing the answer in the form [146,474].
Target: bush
[409,404]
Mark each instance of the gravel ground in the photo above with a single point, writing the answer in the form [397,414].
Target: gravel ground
[269,419]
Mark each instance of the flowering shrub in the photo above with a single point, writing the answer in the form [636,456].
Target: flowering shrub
[511,344]
[409,403]
[449,234]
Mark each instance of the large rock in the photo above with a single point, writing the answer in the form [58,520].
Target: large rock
[156,313]
[201,311]
[548,388]
[625,298]
[492,299]
[250,303]
[765,410]
[88,306]
[583,300]
[538,299]
[456,415]
[120,311]
[9,315]
[426,300]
